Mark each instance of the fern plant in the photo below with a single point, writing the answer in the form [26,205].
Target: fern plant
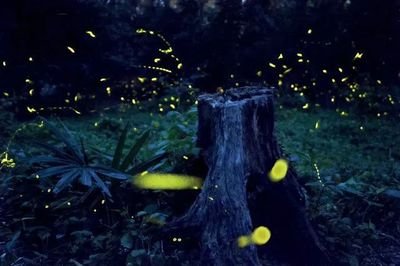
[126,164]
[72,163]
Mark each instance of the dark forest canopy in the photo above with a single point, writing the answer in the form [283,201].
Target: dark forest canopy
[70,45]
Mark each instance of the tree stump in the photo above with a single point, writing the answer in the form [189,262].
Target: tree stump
[236,137]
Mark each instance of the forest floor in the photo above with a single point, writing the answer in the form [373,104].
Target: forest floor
[349,166]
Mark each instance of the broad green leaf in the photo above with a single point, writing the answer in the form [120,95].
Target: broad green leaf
[147,164]
[43,159]
[85,177]
[110,172]
[55,170]
[100,184]
[56,151]
[134,150]
[120,146]
[66,136]
[65,180]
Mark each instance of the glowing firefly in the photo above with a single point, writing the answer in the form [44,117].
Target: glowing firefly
[358,56]
[260,236]
[141,79]
[31,109]
[72,50]
[157,181]
[279,170]
[90,33]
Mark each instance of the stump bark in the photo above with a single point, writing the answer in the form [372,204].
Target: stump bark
[236,137]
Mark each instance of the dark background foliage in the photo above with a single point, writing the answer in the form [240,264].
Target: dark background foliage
[221,44]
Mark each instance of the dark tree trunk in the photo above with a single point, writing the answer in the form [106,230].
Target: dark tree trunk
[238,145]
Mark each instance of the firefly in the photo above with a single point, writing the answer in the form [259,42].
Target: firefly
[260,236]
[166,181]
[90,33]
[279,170]
[72,50]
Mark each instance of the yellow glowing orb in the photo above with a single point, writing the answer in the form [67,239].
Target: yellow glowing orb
[243,241]
[166,181]
[261,235]
[279,170]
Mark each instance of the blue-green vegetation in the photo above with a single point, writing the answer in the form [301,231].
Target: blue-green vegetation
[348,165]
